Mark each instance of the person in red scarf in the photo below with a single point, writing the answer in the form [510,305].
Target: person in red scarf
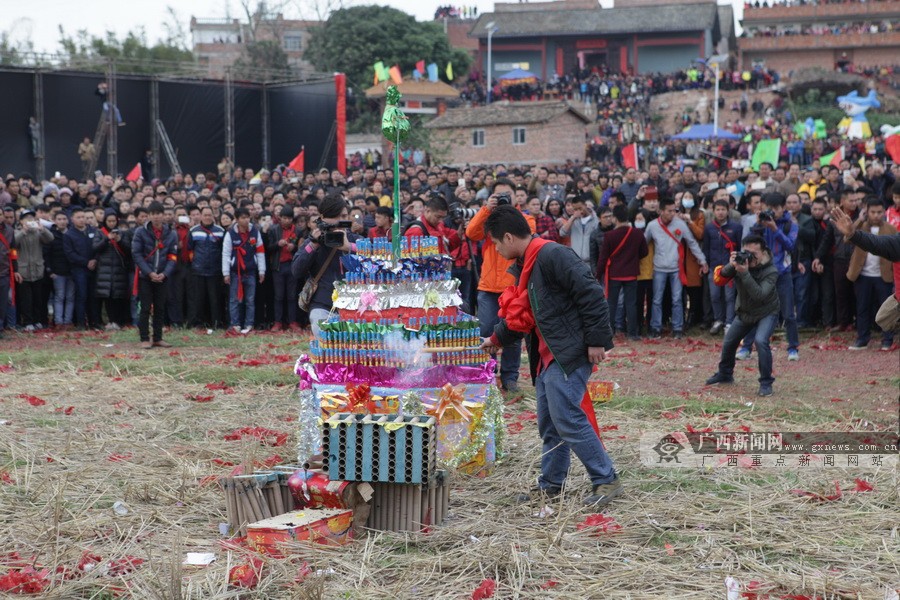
[282,239]
[155,251]
[558,306]
[243,263]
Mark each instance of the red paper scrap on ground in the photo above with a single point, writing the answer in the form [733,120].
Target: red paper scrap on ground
[485,590]
[820,497]
[32,400]
[199,398]
[220,386]
[27,580]
[863,486]
[124,565]
[266,437]
[597,524]
[247,574]
[119,457]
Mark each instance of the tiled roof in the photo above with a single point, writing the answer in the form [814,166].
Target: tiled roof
[504,113]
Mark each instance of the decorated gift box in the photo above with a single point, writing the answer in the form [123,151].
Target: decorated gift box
[332,527]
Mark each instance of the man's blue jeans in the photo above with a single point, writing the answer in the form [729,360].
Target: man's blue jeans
[564,427]
[511,357]
[63,299]
[871,292]
[738,330]
[81,277]
[722,299]
[659,288]
[248,303]
[785,287]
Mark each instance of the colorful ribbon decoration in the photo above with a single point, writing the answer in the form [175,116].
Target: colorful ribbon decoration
[368,301]
[451,397]
[360,399]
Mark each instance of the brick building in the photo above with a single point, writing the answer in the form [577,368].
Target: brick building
[509,133]
[825,35]
[635,36]
[219,43]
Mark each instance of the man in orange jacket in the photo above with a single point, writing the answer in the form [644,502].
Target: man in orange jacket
[495,279]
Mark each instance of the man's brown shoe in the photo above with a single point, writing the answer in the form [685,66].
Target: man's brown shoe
[146,345]
[162,344]
[602,494]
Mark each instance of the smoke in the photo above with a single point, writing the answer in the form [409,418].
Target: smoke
[410,353]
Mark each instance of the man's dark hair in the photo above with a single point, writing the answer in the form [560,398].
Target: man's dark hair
[385,211]
[604,210]
[372,200]
[506,219]
[332,206]
[76,209]
[156,208]
[755,239]
[664,202]
[721,203]
[774,199]
[139,211]
[895,189]
[579,200]
[437,203]
[820,200]
[873,201]
[620,197]
[287,211]
[241,212]
[770,165]
[503,181]
[620,213]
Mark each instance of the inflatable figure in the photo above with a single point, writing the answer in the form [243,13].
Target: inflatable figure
[855,125]
[891,135]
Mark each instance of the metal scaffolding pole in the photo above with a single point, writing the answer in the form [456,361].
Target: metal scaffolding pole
[112,142]
[154,117]
[265,126]
[38,134]
[229,115]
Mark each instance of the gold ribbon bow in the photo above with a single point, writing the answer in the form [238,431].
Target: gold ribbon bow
[451,397]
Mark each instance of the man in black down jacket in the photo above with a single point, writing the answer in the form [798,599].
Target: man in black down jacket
[569,333]
[155,251]
[312,255]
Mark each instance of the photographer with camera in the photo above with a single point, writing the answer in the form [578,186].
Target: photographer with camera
[780,233]
[495,279]
[318,260]
[756,309]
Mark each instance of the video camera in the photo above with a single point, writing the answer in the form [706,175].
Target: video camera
[331,236]
[742,257]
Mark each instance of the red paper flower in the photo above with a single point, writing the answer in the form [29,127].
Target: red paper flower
[485,590]
[246,575]
[32,400]
[597,524]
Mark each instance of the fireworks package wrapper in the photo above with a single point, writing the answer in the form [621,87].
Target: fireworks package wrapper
[314,490]
[333,527]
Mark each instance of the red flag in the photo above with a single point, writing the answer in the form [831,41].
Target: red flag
[297,163]
[395,74]
[420,67]
[134,174]
[892,147]
[630,156]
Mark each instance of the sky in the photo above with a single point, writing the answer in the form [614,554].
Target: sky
[40,20]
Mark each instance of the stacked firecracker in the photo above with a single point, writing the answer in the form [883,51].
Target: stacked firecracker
[395,390]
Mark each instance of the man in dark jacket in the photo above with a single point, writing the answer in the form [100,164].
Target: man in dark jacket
[756,309]
[619,265]
[78,244]
[565,319]
[155,251]
[9,269]
[205,246]
[282,240]
[113,262]
[721,237]
[833,248]
[313,255]
[61,274]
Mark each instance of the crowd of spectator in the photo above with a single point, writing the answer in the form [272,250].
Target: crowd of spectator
[766,4]
[822,29]
[231,250]
[456,12]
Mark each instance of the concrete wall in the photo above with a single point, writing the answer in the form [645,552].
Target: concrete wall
[556,141]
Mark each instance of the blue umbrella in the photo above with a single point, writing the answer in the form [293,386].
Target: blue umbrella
[518,74]
[705,132]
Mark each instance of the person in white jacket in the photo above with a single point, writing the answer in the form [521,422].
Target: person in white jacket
[667,234]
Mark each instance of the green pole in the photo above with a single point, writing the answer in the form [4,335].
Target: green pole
[395,229]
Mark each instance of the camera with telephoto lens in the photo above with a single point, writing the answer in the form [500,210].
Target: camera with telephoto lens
[330,236]
[459,213]
[503,198]
[742,257]
[766,215]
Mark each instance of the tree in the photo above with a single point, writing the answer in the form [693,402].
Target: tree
[353,39]
[259,57]
[132,54]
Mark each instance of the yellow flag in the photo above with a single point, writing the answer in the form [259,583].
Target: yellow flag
[449,71]
[862,163]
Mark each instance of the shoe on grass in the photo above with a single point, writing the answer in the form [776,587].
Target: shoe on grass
[146,345]
[716,328]
[719,378]
[602,494]
[793,355]
[858,346]
[742,354]
[765,390]
[161,344]
[539,493]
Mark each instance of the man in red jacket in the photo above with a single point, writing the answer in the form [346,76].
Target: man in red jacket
[619,265]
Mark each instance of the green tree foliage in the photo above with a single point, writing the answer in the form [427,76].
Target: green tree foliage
[132,54]
[261,58]
[353,39]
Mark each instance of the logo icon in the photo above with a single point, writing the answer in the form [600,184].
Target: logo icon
[668,448]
